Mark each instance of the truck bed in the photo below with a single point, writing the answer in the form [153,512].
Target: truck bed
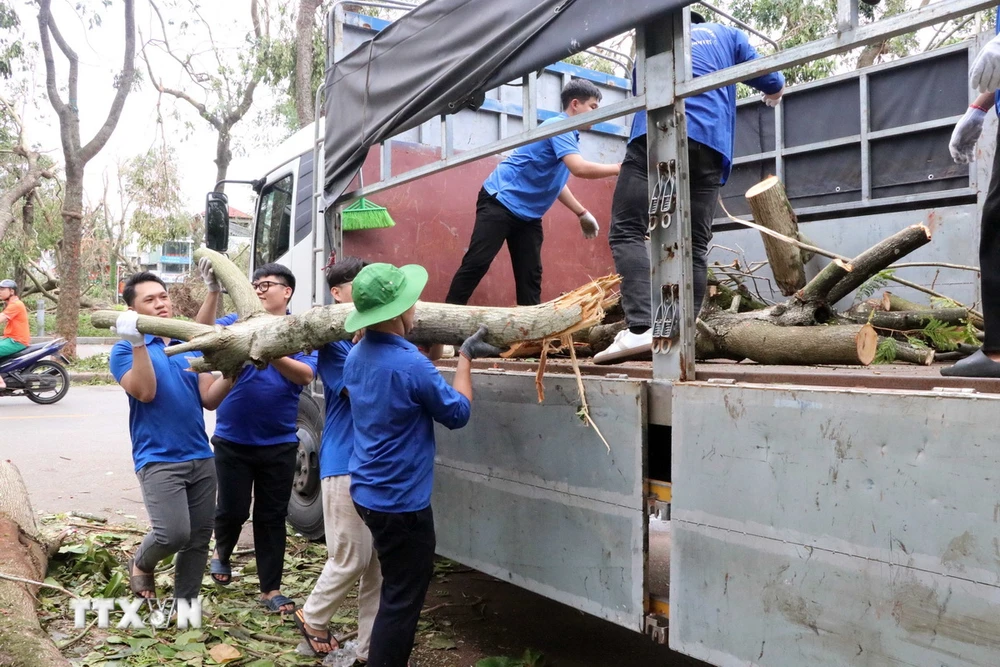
[904,377]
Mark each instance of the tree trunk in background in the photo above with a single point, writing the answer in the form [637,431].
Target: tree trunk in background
[305,26]
[223,156]
[67,316]
[76,153]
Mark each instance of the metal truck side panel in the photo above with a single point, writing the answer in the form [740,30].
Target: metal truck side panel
[835,527]
[529,494]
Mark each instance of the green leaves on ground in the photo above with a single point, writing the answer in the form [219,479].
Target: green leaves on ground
[530,658]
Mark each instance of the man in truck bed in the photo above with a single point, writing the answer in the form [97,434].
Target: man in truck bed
[711,123]
[517,194]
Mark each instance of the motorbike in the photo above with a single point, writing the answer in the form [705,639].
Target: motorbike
[32,373]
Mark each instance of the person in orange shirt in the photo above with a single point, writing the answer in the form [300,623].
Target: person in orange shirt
[14,319]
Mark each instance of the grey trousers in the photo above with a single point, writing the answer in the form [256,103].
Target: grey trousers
[180,501]
[630,218]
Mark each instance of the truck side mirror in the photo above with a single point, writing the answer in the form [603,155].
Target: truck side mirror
[217,221]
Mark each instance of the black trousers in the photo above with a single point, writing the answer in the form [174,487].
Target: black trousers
[989,258]
[405,545]
[265,473]
[630,222]
[494,225]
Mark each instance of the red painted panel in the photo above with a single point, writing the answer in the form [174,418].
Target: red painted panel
[434,218]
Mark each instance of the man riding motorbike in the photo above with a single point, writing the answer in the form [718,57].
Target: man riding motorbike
[14,319]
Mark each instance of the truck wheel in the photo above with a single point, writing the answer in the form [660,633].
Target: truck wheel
[305,507]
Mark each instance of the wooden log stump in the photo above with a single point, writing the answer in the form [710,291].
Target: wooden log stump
[771,209]
[739,337]
[23,554]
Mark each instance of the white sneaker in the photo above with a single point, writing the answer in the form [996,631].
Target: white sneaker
[627,346]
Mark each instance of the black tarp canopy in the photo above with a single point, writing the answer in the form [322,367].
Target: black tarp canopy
[445,52]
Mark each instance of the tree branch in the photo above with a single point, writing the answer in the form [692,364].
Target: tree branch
[124,87]
[52,89]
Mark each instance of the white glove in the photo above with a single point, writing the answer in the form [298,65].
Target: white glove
[773,99]
[588,224]
[127,328]
[985,73]
[208,275]
[966,134]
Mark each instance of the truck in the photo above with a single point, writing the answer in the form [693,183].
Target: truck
[744,514]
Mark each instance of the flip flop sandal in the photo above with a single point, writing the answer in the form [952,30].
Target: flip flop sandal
[311,639]
[275,604]
[140,583]
[217,568]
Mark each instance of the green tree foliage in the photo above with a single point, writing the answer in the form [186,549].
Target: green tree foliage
[11,40]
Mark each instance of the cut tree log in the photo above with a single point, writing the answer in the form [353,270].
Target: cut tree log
[922,356]
[23,554]
[878,257]
[893,302]
[259,337]
[734,337]
[600,336]
[770,208]
[910,320]
[818,288]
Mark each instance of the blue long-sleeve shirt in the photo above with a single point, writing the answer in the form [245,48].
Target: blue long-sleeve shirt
[396,395]
[711,116]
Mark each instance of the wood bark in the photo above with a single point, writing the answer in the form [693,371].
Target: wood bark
[819,287]
[878,257]
[771,209]
[891,301]
[23,554]
[733,337]
[305,27]
[910,320]
[922,356]
[76,154]
[600,336]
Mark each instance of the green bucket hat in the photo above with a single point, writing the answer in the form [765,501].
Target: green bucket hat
[382,292]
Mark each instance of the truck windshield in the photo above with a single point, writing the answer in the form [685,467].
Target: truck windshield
[274,217]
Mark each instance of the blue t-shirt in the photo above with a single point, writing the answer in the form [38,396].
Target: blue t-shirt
[338,429]
[262,406]
[171,427]
[531,178]
[711,116]
[396,396]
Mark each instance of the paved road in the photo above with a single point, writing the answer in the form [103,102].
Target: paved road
[76,454]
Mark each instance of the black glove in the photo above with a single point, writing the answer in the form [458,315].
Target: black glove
[475,347]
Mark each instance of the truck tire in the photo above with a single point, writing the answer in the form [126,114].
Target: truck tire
[305,507]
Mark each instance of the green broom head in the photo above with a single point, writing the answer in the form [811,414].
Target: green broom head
[364,214]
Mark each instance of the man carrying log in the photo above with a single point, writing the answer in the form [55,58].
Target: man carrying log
[351,553]
[396,395]
[711,123]
[255,442]
[517,194]
[169,445]
[985,77]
